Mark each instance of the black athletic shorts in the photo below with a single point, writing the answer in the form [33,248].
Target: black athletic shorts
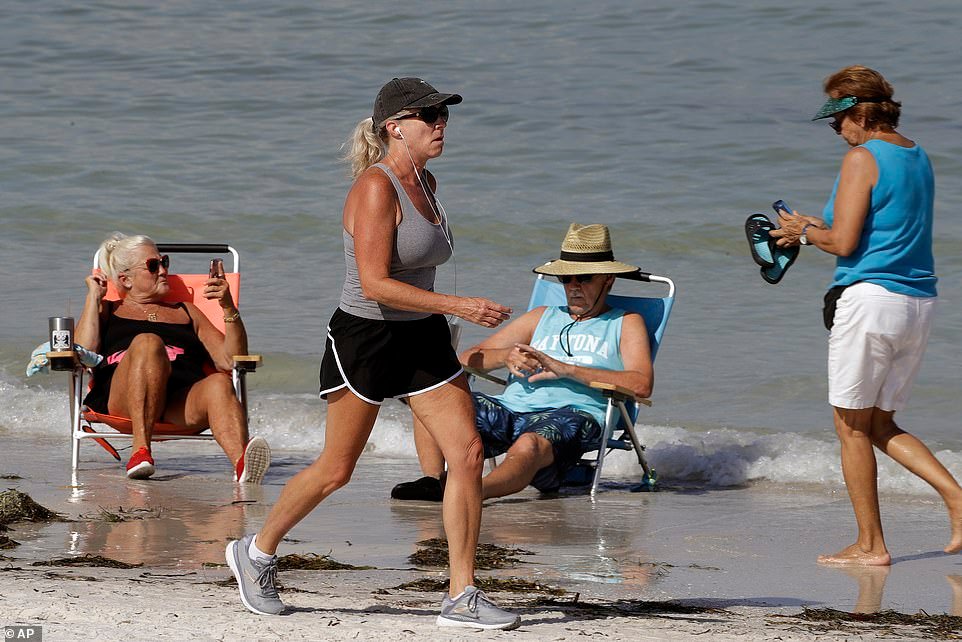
[379,359]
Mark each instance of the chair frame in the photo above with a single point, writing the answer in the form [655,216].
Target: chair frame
[622,407]
[68,361]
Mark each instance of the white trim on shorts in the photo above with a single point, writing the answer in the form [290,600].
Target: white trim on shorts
[348,385]
[340,369]
[430,388]
[876,346]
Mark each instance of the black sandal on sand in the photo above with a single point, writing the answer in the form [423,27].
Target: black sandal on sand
[427,489]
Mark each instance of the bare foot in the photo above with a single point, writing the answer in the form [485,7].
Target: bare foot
[955,521]
[855,556]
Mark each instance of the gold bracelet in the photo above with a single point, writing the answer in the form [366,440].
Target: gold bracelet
[233,317]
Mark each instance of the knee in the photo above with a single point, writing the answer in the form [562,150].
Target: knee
[220,385]
[532,446]
[884,426]
[148,351]
[148,344]
[469,459]
[336,476]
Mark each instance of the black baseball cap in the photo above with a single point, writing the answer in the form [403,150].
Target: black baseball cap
[408,93]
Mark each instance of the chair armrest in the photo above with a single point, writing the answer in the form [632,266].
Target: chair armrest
[247,362]
[63,360]
[618,393]
[480,374]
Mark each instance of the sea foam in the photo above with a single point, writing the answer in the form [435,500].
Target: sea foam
[682,456]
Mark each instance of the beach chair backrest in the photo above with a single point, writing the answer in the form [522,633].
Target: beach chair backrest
[654,310]
[190,287]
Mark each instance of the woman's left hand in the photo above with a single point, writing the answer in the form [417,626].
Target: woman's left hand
[217,288]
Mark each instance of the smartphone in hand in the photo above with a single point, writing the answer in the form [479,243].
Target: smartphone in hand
[216,268]
[781,206]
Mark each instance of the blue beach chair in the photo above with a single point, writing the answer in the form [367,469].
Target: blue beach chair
[622,410]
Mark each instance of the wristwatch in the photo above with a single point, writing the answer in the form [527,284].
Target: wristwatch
[803,237]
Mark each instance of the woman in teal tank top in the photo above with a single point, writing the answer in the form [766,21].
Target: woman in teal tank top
[878,222]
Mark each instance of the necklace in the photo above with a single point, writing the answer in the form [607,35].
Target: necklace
[151,316]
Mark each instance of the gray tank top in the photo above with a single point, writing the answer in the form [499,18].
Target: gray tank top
[419,247]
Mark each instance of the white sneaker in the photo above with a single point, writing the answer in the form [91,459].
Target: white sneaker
[254,462]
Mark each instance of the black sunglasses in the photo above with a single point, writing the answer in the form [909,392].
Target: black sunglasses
[153,265]
[429,115]
[835,124]
[580,278]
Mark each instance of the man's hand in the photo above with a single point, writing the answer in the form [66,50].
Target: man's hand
[535,365]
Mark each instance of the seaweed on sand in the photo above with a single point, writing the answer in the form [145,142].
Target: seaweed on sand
[309,562]
[935,627]
[488,584]
[125,514]
[20,507]
[434,553]
[315,562]
[87,561]
[7,543]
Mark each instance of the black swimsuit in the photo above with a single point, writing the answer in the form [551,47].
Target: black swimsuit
[189,359]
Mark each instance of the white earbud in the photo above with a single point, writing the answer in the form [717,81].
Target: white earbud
[400,134]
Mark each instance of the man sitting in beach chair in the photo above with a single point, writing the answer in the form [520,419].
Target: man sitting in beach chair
[548,417]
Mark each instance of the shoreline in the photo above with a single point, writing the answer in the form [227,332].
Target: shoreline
[677,564]
[113,604]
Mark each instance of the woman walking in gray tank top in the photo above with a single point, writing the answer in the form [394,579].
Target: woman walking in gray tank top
[389,338]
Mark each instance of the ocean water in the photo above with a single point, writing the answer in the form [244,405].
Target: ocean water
[670,122]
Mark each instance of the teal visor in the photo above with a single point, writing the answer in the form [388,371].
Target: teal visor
[835,105]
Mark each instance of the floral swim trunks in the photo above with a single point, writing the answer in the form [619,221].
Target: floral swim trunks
[571,433]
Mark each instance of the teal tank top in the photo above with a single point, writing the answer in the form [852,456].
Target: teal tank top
[895,249]
[594,343]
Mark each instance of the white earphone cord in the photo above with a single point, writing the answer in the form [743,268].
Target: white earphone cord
[437,208]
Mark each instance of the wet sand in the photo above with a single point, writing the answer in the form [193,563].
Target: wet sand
[678,563]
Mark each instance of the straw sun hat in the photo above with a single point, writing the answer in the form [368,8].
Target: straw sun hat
[586,249]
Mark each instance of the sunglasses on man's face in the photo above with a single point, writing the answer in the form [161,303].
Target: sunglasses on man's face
[153,265]
[580,278]
[429,115]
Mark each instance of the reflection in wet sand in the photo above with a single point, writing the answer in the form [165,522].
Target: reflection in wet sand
[955,581]
[576,539]
[871,584]
[162,524]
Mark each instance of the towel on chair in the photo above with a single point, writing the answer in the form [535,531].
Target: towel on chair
[40,363]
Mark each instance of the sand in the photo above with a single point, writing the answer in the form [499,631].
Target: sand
[683,563]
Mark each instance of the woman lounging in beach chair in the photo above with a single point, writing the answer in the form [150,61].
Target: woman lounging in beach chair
[164,361]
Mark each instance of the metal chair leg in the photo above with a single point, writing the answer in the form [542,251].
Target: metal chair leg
[609,428]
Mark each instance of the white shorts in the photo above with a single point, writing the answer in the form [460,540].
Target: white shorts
[876,347]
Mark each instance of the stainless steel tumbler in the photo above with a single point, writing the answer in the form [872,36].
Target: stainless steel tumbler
[61,333]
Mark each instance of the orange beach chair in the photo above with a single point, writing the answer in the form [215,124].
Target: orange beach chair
[183,287]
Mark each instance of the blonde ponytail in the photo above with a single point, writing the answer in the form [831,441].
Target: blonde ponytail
[365,147]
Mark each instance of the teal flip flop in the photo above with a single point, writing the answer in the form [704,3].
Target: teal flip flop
[760,243]
[774,260]
[784,257]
